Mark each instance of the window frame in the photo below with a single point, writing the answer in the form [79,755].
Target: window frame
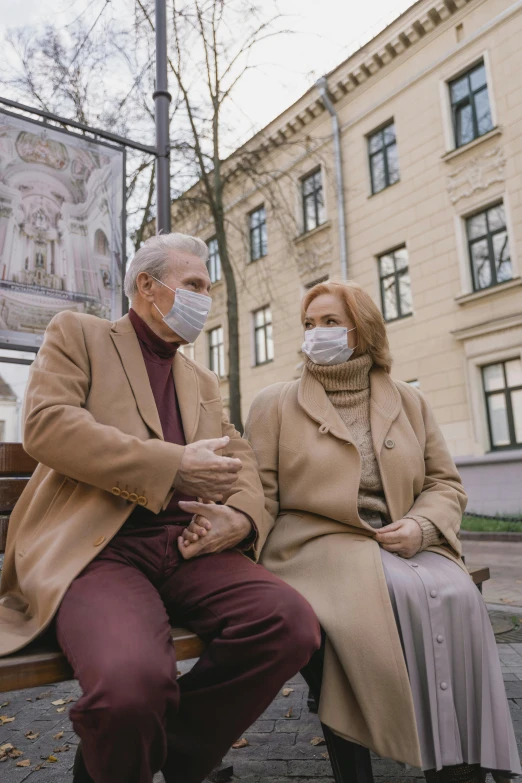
[484,210]
[313,194]
[257,230]
[506,391]
[384,150]
[396,274]
[217,350]
[263,328]
[214,260]
[470,100]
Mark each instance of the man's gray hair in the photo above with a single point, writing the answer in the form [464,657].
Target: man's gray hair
[155,256]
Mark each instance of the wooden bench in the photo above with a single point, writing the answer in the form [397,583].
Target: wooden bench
[39,664]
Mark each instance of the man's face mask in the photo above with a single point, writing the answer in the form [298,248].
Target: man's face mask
[188,314]
[328,345]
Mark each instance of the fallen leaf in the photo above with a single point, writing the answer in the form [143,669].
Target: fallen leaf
[58,702]
[59,735]
[60,709]
[32,735]
[24,763]
[325,755]
[15,754]
[28,699]
[289,713]
[40,766]
[5,719]
[317,741]
[62,749]
[5,704]
[52,759]
[3,758]
[287,691]
[6,747]
[241,743]
[43,695]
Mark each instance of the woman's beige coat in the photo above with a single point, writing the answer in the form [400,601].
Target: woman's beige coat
[310,472]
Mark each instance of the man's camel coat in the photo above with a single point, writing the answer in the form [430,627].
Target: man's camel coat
[92,423]
[310,472]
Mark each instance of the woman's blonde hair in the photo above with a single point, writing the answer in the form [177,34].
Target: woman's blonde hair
[360,307]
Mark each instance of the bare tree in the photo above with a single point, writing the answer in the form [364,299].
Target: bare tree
[211,49]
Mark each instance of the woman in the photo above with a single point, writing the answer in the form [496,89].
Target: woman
[365,505]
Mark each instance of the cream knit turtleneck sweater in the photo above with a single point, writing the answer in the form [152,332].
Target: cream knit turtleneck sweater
[348,388]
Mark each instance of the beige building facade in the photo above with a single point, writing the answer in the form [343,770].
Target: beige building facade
[420,202]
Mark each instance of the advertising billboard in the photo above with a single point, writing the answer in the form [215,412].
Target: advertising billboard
[62,227]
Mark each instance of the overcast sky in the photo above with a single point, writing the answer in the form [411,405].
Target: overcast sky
[325,33]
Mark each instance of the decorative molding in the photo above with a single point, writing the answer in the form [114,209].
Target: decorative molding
[314,257]
[478,173]
[463,299]
[498,324]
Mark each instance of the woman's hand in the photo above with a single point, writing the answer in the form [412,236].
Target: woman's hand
[403,537]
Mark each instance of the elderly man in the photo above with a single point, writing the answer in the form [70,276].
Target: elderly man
[130,435]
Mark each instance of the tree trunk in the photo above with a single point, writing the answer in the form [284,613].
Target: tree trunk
[234,383]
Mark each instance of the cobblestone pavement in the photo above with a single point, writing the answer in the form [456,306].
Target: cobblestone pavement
[504,559]
[279,749]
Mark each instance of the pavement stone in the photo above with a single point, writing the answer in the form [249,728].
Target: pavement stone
[279,749]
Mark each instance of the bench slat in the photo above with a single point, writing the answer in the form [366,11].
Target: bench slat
[44,666]
[10,491]
[14,461]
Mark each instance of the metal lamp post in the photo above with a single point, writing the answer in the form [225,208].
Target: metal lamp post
[162,99]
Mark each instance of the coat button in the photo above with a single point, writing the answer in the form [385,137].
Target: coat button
[116,491]
[389,443]
[440,638]
[99,541]
[433,593]
[414,565]
[133,497]
[142,500]
[125,494]
[444,686]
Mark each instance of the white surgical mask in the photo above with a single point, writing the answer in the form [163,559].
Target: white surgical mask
[188,314]
[327,345]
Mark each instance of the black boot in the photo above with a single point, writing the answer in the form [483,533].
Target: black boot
[80,774]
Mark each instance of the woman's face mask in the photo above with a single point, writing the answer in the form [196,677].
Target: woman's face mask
[188,314]
[327,345]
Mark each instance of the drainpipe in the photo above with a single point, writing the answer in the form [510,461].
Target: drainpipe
[322,86]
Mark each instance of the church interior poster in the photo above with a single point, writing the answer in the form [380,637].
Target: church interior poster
[61,219]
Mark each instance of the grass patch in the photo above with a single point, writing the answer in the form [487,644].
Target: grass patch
[491,524]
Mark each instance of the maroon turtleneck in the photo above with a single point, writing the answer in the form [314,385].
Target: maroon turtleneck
[159,356]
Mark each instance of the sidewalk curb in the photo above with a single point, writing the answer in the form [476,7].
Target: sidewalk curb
[476,535]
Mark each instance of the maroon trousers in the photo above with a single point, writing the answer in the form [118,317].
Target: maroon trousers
[134,717]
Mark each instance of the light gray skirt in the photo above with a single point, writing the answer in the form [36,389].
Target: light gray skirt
[458,691]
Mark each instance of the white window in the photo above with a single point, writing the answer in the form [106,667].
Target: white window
[263,337]
[216,351]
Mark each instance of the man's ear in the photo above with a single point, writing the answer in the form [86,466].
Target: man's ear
[145,285]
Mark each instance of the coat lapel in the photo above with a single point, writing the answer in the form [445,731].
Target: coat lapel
[314,401]
[187,391]
[128,347]
[385,406]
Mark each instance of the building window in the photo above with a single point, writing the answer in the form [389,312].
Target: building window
[503,389]
[263,339]
[216,351]
[314,213]
[214,262]
[101,243]
[395,285]
[258,235]
[384,161]
[470,105]
[489,248]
